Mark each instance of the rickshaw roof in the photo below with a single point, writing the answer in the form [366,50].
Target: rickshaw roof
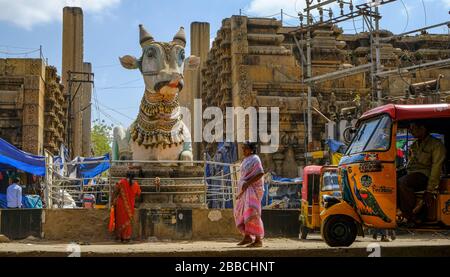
[312,169]
[410,112]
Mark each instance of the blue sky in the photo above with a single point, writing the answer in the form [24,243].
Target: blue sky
[110,31]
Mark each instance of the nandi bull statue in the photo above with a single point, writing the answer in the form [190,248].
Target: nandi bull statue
[158,133]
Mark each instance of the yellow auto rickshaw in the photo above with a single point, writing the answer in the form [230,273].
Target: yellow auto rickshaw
[319,182]
[368,173]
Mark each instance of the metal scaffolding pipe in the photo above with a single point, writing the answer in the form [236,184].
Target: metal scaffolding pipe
[339,74]
[405,70]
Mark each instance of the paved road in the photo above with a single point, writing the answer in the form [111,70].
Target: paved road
[429,244]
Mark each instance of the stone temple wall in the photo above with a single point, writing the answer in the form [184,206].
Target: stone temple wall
[32,106]
[256,62]
[55,116]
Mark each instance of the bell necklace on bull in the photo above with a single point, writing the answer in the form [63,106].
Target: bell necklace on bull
[161,64]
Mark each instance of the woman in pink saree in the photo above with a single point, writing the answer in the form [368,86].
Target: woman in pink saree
[247,212]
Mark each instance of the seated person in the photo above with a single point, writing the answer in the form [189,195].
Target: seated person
[88,201]
[427,155]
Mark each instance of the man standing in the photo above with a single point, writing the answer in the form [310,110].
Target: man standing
[427,155]
[14,194]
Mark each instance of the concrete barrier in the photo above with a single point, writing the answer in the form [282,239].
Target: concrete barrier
[209,224]
[76,225]
[176,224]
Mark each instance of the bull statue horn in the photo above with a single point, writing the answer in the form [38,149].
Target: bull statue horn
[144,36]
[180,37]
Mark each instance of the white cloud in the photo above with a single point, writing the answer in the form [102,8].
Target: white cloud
[269,7]
[446,3]
[27,13]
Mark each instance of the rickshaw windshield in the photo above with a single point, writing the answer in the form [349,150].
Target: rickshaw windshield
[330,181]
[373,135]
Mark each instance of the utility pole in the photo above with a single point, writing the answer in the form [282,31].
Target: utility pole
[309,70]
[377,56]
[75,79]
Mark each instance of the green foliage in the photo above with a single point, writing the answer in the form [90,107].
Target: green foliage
[101,137]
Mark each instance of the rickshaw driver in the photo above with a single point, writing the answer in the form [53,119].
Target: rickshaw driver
[426,157]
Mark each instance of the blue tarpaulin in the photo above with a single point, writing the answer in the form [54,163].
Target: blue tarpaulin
[282,191]
[286,180]
[95,167]
[12,156]
[28,201]
[334,145]
[226,153]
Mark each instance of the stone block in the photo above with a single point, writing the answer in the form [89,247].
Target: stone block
[31,114]
[208,224]
[4,239]
[20,67]
[77,224]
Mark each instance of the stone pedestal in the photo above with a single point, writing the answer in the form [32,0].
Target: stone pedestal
[180,186]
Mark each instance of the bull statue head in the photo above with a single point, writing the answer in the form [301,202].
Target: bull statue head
[161,63]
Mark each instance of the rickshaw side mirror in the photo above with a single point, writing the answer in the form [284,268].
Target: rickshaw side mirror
[349,133]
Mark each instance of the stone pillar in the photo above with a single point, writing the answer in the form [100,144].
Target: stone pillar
[86,114]
[33,108]
[72,60]
[200,41]
[241,88]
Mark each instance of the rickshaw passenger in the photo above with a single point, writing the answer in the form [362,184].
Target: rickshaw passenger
[426,157]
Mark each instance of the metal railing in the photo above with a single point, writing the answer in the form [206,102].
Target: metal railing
[67,192]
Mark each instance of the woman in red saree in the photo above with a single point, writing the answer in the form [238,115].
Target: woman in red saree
[124,196]
[247,212]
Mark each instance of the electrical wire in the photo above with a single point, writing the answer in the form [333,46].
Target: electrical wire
[120,86]
[116,111]
[407,16]
[406,45]
[424,12]
[112,118]
[18,53]
[106,65]
[292,16]
[96,104]
[16,47]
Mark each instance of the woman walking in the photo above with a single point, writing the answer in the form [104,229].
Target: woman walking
[124,196]
[247,212]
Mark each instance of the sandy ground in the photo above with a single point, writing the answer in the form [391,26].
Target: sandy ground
[426,244]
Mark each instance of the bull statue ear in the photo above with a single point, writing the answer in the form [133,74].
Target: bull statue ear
[129,62]
[192,62]
[180,37]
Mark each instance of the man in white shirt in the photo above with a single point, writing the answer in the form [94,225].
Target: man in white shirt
[14,194]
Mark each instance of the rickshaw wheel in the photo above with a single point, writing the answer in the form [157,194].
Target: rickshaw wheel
[303,232]
[339,231]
